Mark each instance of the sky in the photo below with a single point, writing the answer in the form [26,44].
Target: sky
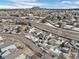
[53,4]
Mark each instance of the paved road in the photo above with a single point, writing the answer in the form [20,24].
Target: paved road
[8,17]
[27,42]
[58,31]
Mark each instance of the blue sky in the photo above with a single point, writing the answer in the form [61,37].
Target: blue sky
[40,3]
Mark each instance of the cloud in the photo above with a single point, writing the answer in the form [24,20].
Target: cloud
[24,4]
[32,3]
[68,7]
[77,2]
[6,6]
[29,4]
[66,2]
[23,0]
[20,4]
[70,2]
